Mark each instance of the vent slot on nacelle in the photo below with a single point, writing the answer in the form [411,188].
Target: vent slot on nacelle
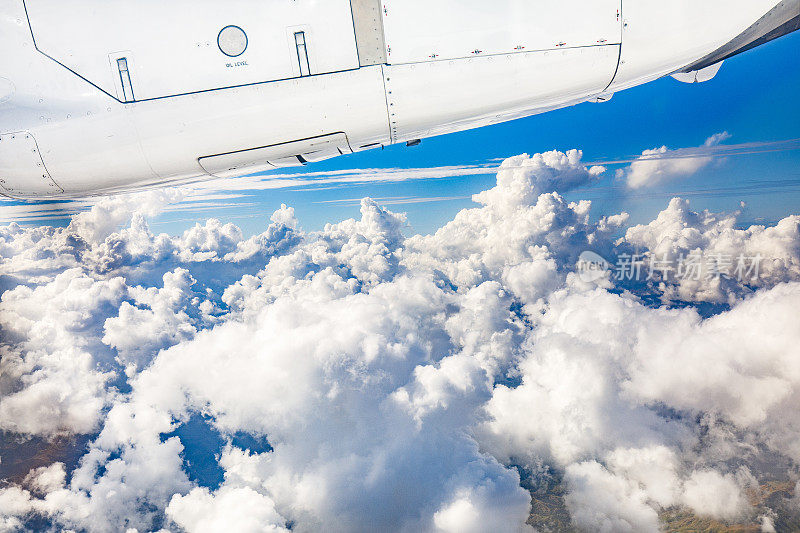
[125,80]
[302,53]
[289,154]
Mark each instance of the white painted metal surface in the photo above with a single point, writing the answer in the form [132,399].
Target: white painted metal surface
[174,134]
[117,95]
[20,160]
[368,22]
[174,46]
[424,101]
[699,76]
[7,89]
[269,157]
[421,30]
[660,37]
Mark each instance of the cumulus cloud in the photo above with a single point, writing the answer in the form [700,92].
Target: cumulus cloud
[522,179]
[156,318]
[713,494]
[239,509]
[356,379]
[601,501]
[661,165]
[720,262]
[50,380]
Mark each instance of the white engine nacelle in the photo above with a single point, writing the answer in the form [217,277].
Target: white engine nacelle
[104,96]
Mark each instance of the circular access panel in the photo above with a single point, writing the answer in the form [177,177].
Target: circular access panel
[232,41]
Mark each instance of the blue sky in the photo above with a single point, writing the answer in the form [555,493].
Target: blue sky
[754,98]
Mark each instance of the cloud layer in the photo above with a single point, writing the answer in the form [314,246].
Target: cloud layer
[661,165]
[357,379]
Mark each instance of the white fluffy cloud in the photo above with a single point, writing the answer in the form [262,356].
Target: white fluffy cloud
[710,493]
[721,262]
[602,501]
[241,509]
[523,178]
[660,165]
[389,382]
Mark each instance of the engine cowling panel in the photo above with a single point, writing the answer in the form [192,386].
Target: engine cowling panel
[164,49]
